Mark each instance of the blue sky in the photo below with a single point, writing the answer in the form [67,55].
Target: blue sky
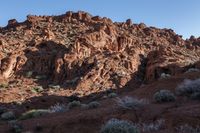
[183,16]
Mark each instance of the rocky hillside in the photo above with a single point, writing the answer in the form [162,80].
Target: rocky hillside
[77,54]
[90,54]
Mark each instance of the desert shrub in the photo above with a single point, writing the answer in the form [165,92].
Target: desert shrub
[151,127]
[8,115]
[29,74]
[119,126]
[93,105]
[130,103]
[189,88]
[56,87]
[15,126]
[34,113]
[164,96]
[165,76]
[195,96]
[4,85]
[37,89]
[112,95]
[40,77]
[192,70]
[74,104]
[57,108]
[73,97]
[84,106]
[188,129]
[2,110]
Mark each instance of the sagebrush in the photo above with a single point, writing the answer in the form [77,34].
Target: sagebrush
[189,88]
[130,102]
[119,126]
[164,96]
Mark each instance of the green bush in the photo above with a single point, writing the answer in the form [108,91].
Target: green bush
[4,85]
[74,104]
[93,105]
[40,77]
[34,113]
[112,95]
[29,74]
[8,116]
[119,126]
[55,87]
[164,96]
[37,89]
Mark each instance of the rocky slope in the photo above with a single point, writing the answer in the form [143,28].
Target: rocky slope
[83,54]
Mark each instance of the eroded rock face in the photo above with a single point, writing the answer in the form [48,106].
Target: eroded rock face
[193,43]
[90,54]
[7,66]
[167,60]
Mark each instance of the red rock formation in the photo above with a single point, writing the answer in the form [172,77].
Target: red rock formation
[92,53]
[76,54]
[169,61]
[12,22]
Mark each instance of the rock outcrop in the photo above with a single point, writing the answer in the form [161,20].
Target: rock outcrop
[90,53]
[167,60]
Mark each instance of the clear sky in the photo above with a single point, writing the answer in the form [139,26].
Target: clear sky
[183,16]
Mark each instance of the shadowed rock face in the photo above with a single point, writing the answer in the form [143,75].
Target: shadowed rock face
[91,54]
[169,61]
